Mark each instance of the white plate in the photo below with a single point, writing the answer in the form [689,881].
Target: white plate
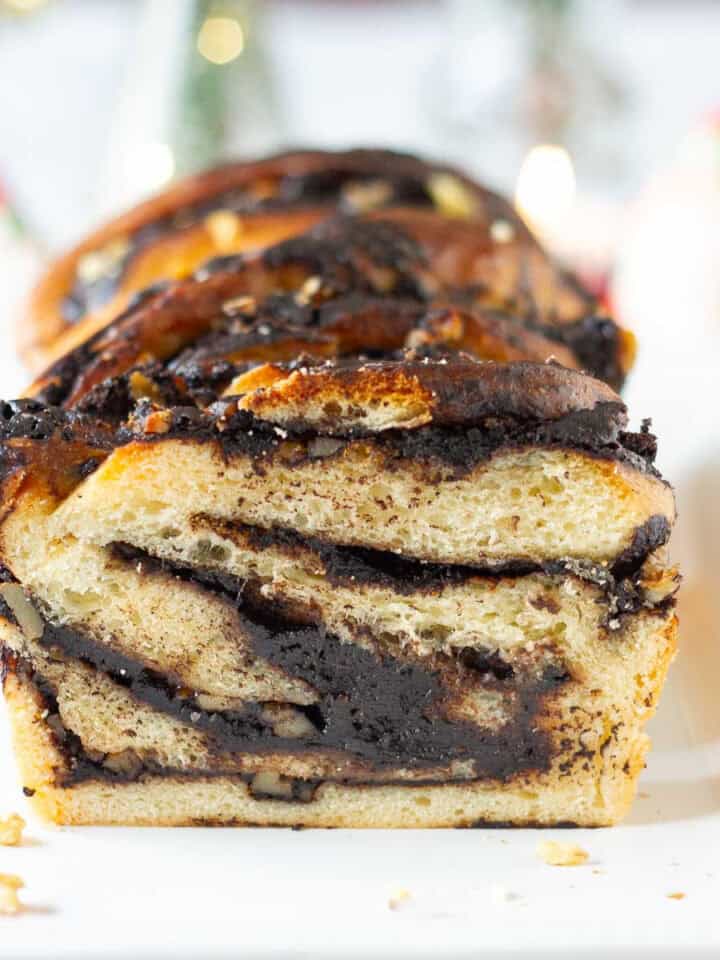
[203,893]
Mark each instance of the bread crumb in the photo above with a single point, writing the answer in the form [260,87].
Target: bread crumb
[561,854]
[679,895]
[399,899]
[11,829]
[9,886]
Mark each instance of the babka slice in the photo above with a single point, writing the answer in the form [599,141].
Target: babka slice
[418,592]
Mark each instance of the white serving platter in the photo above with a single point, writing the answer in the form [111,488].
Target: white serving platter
[206,893]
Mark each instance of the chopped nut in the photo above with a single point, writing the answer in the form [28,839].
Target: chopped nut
[450,196]
[269,783]
[11,829]
[368,195]
[308,290]
[29,620]
[9,886]
[291,451]
[142,387]
[324,446]
[223,227]
[399,899]
[287,721]
[99,263]
[561,854]
[238,305]
[209,701]
[382,278]
[501,231]
[158,421]
[126,763]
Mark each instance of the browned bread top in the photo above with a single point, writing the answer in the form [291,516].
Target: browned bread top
[470,242]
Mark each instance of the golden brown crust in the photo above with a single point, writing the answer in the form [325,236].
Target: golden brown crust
[457,393]
[515,303]
[45,335]
[275,549]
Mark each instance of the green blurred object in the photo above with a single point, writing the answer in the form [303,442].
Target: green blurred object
[227,104]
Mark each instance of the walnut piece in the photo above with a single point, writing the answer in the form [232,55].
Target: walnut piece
[451,196]
[9,886]
[11,829]
[29,620]
[561,854]
[159,421]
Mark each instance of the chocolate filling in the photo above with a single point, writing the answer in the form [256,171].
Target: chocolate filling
[375,708]
[353,566]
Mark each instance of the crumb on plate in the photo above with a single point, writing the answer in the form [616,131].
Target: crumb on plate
[11,829]
[679,895]
[9,886]
[561,854]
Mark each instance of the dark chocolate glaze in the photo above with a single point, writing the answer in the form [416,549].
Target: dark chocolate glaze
[461,448]
[595,341]
[654,533]
[477,409]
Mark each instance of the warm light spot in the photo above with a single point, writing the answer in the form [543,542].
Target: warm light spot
[221,39]
[545,188]
[24,6]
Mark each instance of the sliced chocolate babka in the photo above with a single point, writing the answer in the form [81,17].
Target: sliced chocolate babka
[337,532]
[421,592]
[474,241]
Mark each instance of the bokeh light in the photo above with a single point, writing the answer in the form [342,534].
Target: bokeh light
[221,39]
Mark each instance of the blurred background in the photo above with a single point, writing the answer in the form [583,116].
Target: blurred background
[602,119]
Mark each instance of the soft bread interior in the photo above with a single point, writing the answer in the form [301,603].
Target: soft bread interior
[187,633]
[530,504]
[200,640]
